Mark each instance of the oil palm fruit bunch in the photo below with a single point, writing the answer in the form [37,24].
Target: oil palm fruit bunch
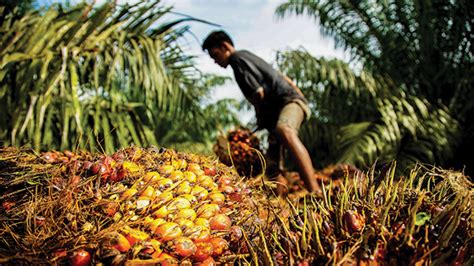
[241,149]
[136,205]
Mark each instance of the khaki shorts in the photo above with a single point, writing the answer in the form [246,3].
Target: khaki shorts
[293,114]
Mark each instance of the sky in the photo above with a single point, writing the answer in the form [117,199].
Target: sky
[253,26]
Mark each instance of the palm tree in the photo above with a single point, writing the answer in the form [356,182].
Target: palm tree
[95,78]
[405,103]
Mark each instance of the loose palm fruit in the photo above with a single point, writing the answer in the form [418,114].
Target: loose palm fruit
[162,212]
[206,182]
[149,192]
[217,198]
[187,213]
[208,210]
[117,241]
[164,197]
[198,233]
[189,176]
[202,222]
[192,199]
[165,169]
[194,167]
[176,175]
[220,222]
[184,223]
[152,177]
[129,193]
[168,231]
[183,188]
[219,245]
[155,223]
[135,236]
[200,192]
[164,183]
[80,257]
[183,247]
[178,204]
[203,251]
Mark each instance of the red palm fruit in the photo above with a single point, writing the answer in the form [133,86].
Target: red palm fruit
[198,233]
[117,241]
[219,245]
[220,222]
[203,251]
[210,170]
[80,257]
[183,247]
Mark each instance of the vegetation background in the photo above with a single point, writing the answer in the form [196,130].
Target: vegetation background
[109,76]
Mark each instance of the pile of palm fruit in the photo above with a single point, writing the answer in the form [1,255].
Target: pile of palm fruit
[151,205]
[240,149]
[158,206]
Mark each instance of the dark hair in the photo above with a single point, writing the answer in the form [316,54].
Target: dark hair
[215,39]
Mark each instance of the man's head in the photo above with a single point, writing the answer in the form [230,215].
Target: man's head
[219,46]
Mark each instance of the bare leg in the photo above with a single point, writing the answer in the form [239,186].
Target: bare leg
[289,138]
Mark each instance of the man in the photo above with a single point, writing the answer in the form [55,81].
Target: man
[279,105]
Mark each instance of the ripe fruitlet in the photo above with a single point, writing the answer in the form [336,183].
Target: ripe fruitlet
[188,214]
[194,167]
[219,245]
[178,204]
[210,170]
[164,183]
[200,192]
[135,236]
[176,175]
[164,197]
[216,197]
[203,251]
[165,169]
[189,176]
[192,199]
[155,223]
[184,223]
[162,212]
[183,188]
[117,241]
[202,222]
[183,247]
[220,222]
[168,231]
[129,193]
[80,257]
[152,177]
[208,210]
[130,167]
[198,233]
